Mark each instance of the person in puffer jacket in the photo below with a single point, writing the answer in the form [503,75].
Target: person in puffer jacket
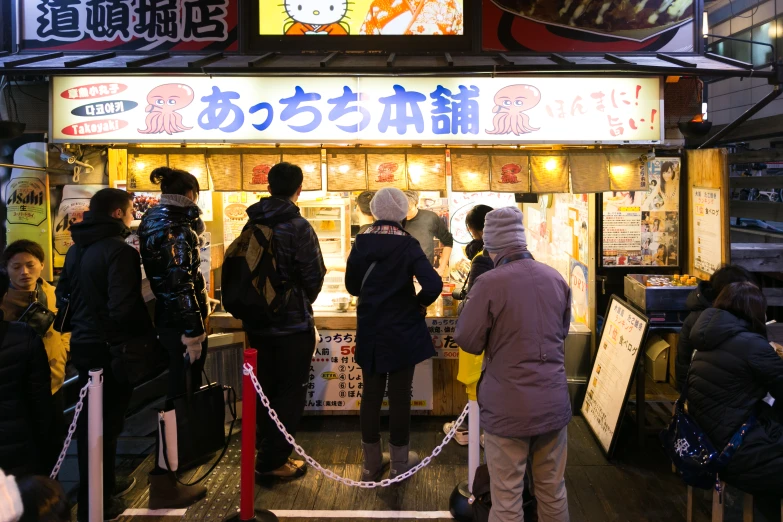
[736,373]
[698,301]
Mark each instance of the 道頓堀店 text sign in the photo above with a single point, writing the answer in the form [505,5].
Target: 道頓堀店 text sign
[389,109]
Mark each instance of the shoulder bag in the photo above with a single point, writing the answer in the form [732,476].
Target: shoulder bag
[192,427]
[692,453]
[38,316]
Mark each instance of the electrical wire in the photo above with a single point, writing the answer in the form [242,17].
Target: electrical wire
[751,15]
[28,94]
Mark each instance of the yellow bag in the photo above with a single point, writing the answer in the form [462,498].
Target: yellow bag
[469,371]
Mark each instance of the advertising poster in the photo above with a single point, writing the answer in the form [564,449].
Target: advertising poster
[548,26]
[203,109]
[642,228]
[205,249]
[75,202]
[130,25]
[442,332]
[707,246]
[580,304]
[235,213]
[613,370]
[336,379]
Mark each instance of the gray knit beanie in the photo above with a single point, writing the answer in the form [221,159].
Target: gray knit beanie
[389,204]
[503,229]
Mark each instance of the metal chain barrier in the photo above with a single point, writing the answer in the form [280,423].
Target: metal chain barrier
[71,431]
[248,370]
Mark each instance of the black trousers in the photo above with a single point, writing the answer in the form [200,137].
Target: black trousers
[116,397]
[59,427]
[284,373]
[172,341]
[400,388]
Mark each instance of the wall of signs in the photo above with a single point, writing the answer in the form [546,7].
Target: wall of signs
[643,228]
[607,389]
[707,246]
[369,109]
[130,25]
[547,26]
[336,379]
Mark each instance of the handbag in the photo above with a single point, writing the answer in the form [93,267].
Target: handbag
[192,427]
[692,453]
[139,359]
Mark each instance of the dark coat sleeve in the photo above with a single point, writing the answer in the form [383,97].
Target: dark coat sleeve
[124,279]
[63,290]
[443,234]
[39,387]
[182,296]
[428,278]
[310,263]
[354,273]
[684,350]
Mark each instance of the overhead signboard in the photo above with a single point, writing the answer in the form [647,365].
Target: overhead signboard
[130,25]
[580,26]
[156,109]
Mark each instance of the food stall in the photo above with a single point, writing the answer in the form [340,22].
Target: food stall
[541,143]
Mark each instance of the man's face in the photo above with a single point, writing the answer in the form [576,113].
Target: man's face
[24,270]
[126,215]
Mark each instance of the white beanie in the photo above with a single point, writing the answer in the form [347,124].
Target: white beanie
[389,204]
[10,499]
[503,229]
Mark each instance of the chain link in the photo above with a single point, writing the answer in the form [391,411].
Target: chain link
[248,370]
[71,431]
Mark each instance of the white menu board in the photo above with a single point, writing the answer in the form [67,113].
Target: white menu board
[613,371]
[336,379]
[707,247]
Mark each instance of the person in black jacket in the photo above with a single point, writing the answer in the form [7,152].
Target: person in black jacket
[392,336]
[736,373]
[480,262]
[101,280]
[698,301]
[286,348]
[26,405]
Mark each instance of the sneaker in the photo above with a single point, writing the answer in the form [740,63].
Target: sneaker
[293,469]
[123,486]
[460,436]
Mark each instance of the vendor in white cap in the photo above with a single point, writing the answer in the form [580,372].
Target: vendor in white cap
[518,314]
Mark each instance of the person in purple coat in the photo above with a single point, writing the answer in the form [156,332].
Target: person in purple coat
[518,315]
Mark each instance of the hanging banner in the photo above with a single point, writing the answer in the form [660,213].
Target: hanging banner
[336,379]
[142,109]
[130,25]
[707,249]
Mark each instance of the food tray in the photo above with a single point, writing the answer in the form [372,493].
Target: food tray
[662,298]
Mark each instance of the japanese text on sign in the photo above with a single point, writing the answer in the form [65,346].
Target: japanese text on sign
[707,226]
[442,332]
[495,110]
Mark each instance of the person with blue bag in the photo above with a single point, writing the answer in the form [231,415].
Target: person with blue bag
[734,376]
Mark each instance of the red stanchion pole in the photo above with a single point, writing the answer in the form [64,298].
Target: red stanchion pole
[247,489]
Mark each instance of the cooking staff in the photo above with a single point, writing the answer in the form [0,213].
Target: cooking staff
[425,225]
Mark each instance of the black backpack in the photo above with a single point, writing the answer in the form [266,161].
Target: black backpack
[253,290]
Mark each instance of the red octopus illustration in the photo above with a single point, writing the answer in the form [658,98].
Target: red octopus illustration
[386,172]
[260,174]
[510,105]
[164,102]
[508,173]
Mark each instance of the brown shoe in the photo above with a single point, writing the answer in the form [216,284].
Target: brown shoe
[292,469]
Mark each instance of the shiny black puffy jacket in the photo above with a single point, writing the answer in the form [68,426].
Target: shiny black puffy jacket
[170,252]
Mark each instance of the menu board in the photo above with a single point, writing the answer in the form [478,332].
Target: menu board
[442,331]
[641,228]
[336,380]
[707,247]
[607,390]
[235,206]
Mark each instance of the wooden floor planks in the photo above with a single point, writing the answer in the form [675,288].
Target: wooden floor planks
[638,486]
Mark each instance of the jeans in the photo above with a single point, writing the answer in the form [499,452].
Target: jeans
[507,460]
[400,386]
[116,397]
[171,340]
[284,373]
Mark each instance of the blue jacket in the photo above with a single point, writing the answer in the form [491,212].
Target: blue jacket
[391,331]
[299,259]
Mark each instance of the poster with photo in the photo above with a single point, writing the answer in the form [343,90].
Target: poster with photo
[641,228]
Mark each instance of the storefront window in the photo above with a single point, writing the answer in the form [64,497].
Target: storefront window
[764,33]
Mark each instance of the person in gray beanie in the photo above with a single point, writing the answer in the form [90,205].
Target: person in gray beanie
[392,336]
[519,314]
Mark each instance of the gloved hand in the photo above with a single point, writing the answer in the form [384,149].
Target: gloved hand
[193,346]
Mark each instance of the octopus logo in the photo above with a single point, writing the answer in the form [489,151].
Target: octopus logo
[510,105]
[386,172]
[260,175]
[508,173]
[163,103]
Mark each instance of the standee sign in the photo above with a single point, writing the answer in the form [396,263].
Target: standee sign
[377,109]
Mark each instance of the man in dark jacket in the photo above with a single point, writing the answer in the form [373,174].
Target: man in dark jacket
[102,281]
[27,440]
[698,301]
[425,226]
[285,349]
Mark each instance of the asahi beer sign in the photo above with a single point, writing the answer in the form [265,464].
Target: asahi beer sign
[26,201]
[130,25]
[385,109]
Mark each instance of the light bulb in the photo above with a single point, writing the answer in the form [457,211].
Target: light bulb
[550,165]
[343,169]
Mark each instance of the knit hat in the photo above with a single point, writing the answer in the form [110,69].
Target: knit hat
[389,204]
[503,229]
[10,499]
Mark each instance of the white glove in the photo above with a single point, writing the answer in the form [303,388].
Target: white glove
[10,500]
[193,346]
